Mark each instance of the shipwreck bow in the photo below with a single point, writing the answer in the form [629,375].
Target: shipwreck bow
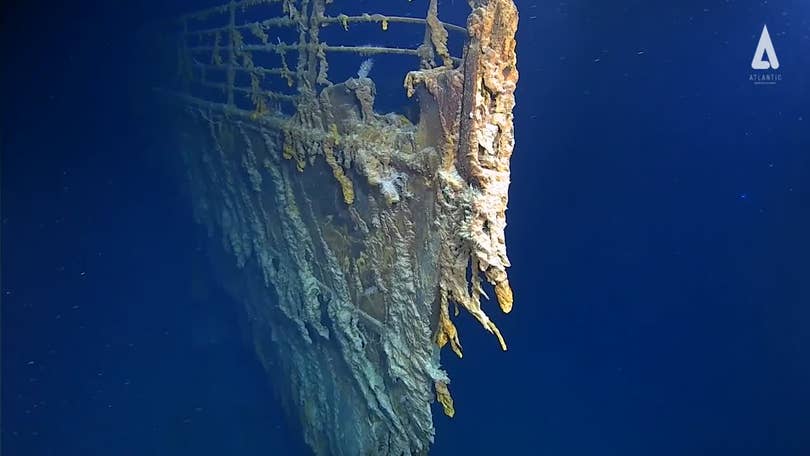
[345,233]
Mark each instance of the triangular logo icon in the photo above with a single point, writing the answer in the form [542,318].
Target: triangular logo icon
[765,45]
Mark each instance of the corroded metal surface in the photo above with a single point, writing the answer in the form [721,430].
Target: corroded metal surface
[347,234]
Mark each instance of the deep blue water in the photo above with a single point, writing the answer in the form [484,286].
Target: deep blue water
[659,232]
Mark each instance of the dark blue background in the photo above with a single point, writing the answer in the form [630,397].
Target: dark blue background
[658,230]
